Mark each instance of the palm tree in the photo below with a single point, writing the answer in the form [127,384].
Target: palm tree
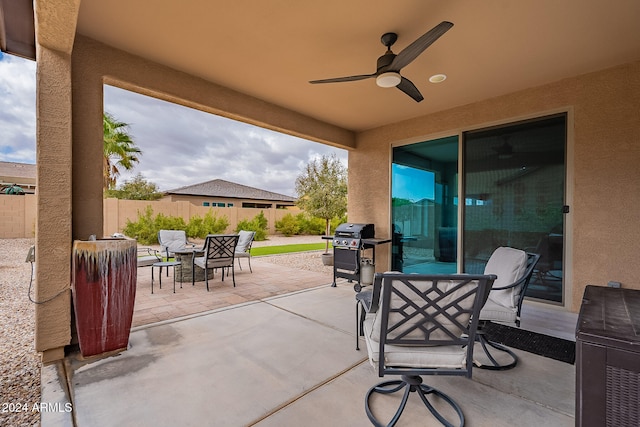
[119,150]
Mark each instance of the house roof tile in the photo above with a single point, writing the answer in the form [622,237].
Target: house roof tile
[222,188]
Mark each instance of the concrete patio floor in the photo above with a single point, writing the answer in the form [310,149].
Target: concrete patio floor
[283,360]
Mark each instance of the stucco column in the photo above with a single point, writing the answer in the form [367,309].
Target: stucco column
[88,143]
[53,229]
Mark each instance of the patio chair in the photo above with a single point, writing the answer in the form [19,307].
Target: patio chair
[243,250]
[514,268]
[424,325]
[219,251]
[173,240]
[147,257]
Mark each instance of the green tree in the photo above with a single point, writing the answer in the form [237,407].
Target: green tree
[137,188]
[322,190]
[119,150]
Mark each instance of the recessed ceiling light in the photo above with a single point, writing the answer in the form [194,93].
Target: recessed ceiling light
[437,78]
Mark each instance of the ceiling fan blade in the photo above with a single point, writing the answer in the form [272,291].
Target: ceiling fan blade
[412,51]
[344,79]
[410,89]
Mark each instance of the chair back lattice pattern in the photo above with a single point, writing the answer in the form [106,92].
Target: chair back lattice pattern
[430,310]
[219,248]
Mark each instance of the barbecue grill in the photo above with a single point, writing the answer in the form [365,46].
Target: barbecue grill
[349,243]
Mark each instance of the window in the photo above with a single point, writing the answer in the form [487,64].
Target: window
[205,203]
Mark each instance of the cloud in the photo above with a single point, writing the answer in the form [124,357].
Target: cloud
[17,109]
[181,146]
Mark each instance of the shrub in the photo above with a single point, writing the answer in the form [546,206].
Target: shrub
[303,223]
[259,224]
[146,228]
[311,225]
[143,229]
[288,225]
[210,224]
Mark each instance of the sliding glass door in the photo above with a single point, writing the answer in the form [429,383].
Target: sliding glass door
[513,194]
[424,194]
[514,182]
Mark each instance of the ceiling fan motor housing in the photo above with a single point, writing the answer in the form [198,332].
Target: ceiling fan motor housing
[385,60]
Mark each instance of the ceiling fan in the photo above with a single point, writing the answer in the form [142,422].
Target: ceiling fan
[389,65]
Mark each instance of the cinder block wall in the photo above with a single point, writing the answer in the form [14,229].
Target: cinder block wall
[17,216]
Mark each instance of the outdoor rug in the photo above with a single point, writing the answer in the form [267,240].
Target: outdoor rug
[532,342]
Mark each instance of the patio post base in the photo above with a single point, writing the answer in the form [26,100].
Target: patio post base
[412,383]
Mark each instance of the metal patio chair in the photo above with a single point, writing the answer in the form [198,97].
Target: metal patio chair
[243,250]
[219,252]
[423,325]
[173,240]
[513,268]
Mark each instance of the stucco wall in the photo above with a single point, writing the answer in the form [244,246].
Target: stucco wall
[17,216]
[602,232]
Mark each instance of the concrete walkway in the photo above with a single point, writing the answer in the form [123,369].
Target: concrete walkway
[287,360]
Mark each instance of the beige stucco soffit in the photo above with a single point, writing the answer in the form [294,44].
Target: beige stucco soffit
[56,24]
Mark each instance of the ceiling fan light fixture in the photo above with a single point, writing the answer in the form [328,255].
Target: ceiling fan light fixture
[437,78]
[388,79]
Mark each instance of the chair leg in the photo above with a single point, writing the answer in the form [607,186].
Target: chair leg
[495,365]
[233,275]
[249,261]
[239,265]
[357,325]
[412,383]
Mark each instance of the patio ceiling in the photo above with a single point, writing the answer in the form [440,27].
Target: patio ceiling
[271,49]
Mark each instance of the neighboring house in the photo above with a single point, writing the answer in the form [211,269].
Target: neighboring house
[221,193]
[21,174]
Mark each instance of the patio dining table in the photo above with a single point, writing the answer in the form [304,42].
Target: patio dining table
[185,271]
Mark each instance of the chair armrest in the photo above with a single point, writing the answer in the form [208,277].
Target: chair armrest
[145,251]
[147,257]
[370,298]
[533,260]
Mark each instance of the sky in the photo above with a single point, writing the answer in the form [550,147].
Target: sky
[180,146]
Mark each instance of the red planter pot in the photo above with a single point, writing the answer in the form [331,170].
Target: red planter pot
[104,291]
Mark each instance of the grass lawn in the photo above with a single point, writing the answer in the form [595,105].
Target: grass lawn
[284,249]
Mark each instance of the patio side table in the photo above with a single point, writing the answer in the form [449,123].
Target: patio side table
[166,264]
[608,358]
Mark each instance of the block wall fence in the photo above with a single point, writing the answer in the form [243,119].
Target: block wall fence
[18,214]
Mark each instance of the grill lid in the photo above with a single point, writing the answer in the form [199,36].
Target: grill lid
[356,231]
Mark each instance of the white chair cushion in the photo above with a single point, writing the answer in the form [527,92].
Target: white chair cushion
[509,265]
[173,240]
[221,262]
[451,356]
[243,240]
[498,313]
